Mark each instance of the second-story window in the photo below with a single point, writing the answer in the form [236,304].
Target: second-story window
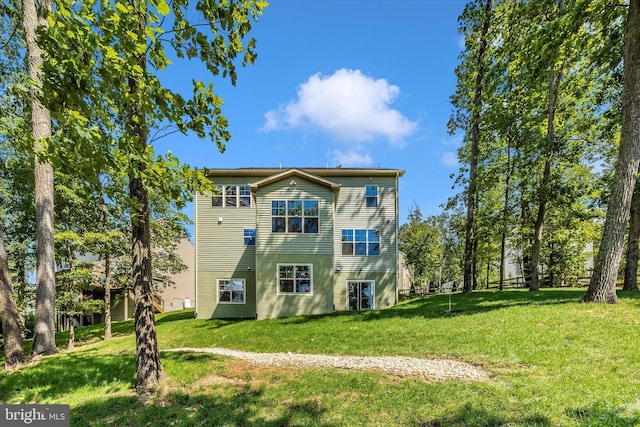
[371,196]
[244,196]
[232,196]
[360,242]
[294,216]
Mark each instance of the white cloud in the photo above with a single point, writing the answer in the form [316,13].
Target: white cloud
[454,141]
[348,105]
[351,158]
[450,158]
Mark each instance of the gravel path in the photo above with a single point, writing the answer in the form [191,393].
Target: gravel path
[429,369]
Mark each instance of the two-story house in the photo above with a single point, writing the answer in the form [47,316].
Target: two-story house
[286,242]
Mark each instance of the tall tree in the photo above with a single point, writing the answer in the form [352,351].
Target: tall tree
[34,18]
[15,188]
[485,11]
[555,77]
[602,286]
[122,47]
[536,132]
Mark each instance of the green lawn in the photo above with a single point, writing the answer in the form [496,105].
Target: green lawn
[553,362]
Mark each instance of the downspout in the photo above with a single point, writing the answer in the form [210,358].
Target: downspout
[398,271]
[255,255]
[195,233]
[334,210]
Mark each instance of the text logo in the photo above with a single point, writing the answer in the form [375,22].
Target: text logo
[34,415]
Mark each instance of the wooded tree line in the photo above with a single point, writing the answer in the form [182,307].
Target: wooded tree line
[546,103]
[81,108]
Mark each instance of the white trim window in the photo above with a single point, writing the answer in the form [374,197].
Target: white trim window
[294,216]
[231,291]
[361,242]
[371,196]
[249,235]
[232,196]
[296,279]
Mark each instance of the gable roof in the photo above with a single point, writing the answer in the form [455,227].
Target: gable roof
[334,186]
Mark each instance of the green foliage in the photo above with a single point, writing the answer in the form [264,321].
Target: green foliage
[421,246]
[90,95]
[432,247]
[74,287]
[530,41]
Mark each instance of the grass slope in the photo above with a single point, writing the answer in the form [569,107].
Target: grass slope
[553,362]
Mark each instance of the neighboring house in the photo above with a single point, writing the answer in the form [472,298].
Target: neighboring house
[170,296]
[514,268]
[182,293]
[406,275]
[287,242]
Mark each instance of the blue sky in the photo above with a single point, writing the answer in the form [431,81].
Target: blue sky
[361,83]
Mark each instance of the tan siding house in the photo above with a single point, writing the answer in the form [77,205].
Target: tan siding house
[287,242]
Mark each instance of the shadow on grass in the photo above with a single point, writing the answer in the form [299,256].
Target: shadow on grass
[467,415]
[602,414]
[95,333]
[207,404]
[175,315]
[62,374]
[240,407]
[111,377]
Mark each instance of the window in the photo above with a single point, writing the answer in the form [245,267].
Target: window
[294,216]
[216,201]
[347,242]
[373,242]
[249,236]
[244,193]
[371,196]
[360,242]
[231,196]
[295,279]
[231,291]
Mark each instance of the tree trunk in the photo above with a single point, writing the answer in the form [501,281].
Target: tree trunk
[631,268]
[107,301]
[602,286]
[474,266]
[543,192]
[551,268]
[107,271]
[488,271]
[44,341]
[534,268]
[71,343]
[13,349]
[505,216]
[468,278]
[148,365]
